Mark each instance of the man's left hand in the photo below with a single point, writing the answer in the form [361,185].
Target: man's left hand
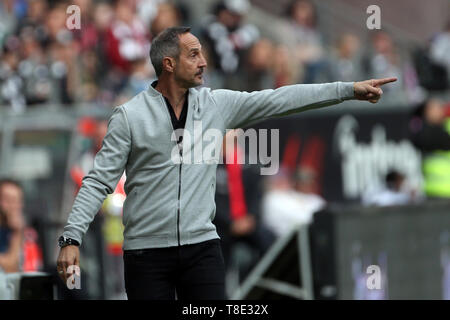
[370,90]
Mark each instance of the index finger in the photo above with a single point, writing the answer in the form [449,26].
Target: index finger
[380,82]
[62,273]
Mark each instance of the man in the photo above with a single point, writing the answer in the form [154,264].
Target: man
[19,248]
[288,203]
[11,225]
[395,192]
[430,131]
[170,243]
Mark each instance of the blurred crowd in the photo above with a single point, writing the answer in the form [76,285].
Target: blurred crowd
[105,62]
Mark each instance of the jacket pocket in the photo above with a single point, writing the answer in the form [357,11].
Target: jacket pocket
[129,206]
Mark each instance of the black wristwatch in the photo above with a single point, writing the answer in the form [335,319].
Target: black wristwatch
[64,241]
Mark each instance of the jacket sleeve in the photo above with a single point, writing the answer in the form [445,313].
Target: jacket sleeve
[240,108]
[109,165]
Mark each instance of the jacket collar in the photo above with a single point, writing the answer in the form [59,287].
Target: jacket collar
[153,92]
[191,97]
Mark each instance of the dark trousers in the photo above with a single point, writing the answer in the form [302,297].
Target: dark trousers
[194,272]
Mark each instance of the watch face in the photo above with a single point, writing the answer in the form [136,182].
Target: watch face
[61,241]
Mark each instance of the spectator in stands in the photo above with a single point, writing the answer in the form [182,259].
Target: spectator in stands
[19,248]
[431,134]
[141,74]
[127,38]
[256,72]
[147,10]
[288,204]
[394,193]
[167,16]
[8,19]
[87,35]
[227,36]
[45,70]
[440,49]
[124,42]
[285,70]
[345,61]
[385,58]
[10,239]
[11,226]
[102,18]
[55,23]
[304,40]
[11,83]
[34,19]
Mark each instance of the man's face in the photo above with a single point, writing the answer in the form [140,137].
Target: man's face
[10,199]
[434,112]
[191,63]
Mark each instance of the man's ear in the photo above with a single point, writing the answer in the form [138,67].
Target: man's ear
[169,64]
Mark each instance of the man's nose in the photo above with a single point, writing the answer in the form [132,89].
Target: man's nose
[203,62]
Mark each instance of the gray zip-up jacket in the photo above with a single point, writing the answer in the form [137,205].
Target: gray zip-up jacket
[169,202]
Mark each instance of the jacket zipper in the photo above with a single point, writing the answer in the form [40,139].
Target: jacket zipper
[179,176]
[179,193]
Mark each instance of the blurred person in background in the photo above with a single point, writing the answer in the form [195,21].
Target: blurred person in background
[304,39]
[167,15]
[11,83]
[19,248]
[430,130]
[238,218]
[285,69]
[127,38]
[87,36]
[395,192]
[345,60]
[34,19]
[227,36]
[256,72]
[440,49]
[289,203]
[89,46]
[140,75]
[8,20]
[55,23]
[385,58]
[88,77]
[11,227]
[93,63]
[126,42]
[430,62]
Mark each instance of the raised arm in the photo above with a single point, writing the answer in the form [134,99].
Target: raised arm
[240,108]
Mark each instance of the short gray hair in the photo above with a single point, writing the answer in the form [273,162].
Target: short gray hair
[166,44]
